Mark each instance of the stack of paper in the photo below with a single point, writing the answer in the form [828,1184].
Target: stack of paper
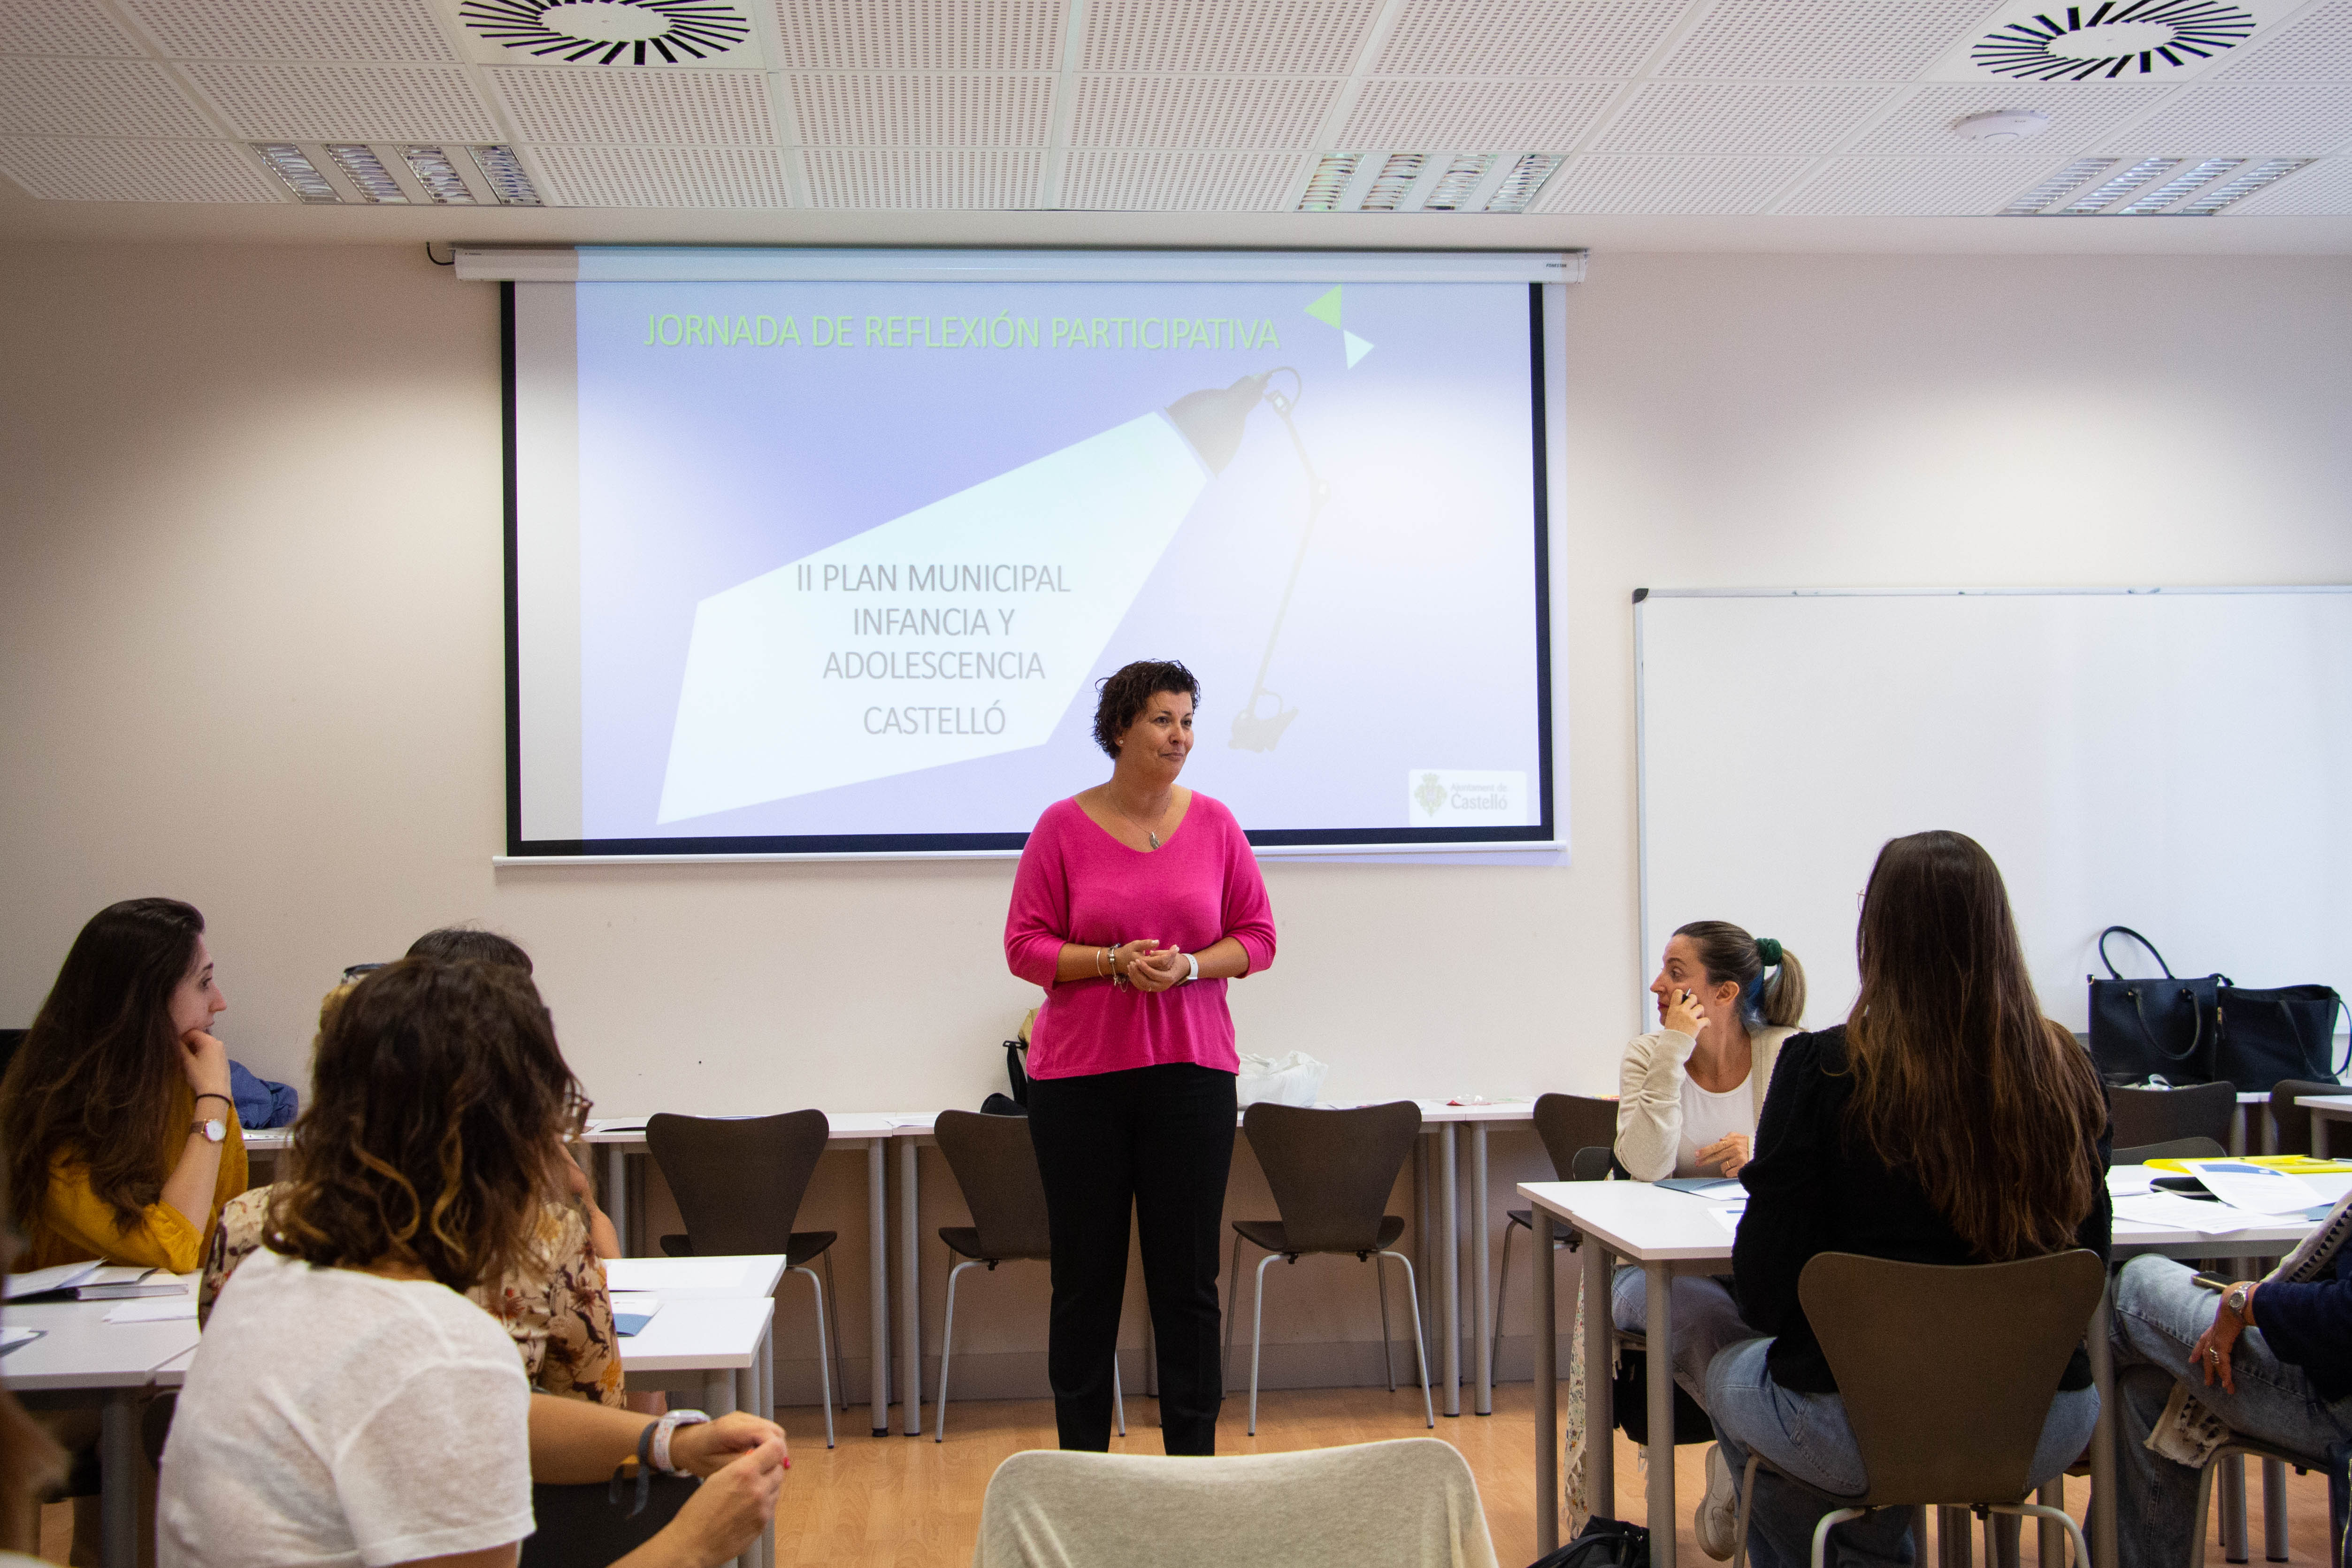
[157,1311]
[631,1311]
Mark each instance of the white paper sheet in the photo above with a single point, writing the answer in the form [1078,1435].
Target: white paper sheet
[154,1310]
[672,1273]
[2188,1214]
[16,1334]
[2131,1181]
[42,1281]
[1728,1215]
[2257,1187]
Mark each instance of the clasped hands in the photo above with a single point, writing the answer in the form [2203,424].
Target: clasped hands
[1147,966]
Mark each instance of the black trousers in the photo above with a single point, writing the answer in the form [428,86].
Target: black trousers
[1162,1139]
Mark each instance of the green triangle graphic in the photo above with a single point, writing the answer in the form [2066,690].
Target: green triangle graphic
[1327,310]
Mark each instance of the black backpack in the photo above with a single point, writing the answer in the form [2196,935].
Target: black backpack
[1602,1543]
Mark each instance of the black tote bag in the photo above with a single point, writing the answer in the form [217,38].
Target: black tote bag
[2143,1029]
[2285,1033]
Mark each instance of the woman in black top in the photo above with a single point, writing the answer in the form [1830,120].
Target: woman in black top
[1947,1122]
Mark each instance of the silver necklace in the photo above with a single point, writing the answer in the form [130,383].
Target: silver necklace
[1129,816]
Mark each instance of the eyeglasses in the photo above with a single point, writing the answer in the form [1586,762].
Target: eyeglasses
[353,971]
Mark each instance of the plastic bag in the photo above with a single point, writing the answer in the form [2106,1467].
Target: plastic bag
[1293,1079]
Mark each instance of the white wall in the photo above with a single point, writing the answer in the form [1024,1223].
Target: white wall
[250,623]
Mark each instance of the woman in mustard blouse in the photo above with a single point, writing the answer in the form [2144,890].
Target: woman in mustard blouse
[122,1140]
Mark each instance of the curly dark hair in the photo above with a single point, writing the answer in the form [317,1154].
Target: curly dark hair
[438,1104]
[452,942]
[1127,691]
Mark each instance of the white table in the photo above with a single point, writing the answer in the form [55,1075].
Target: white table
[111,1365]
[731,1341]
[1669,1233]
[2324,1109]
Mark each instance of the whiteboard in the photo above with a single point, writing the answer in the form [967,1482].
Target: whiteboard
[2176,761]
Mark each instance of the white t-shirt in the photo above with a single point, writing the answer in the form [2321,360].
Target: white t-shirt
[1707,1117]
[336,1417]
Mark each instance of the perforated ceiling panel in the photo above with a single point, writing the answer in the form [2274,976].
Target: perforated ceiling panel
[2324,190]
[358,103]
[1526,37]
[2079,115]
[920,34]
[938,181]
[868,110]
[135,170]
[1239,37]
[93,97]
[293,30]
[1830,40]
[628,105]
[63,27]
[2316,49]
[665,176]
[2206,120]
[1668,186]
[1729,117]
[1178,182]
[1199,111]
[1524,115]
[1913,187]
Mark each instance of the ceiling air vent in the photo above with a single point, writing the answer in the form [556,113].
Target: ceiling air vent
[293,165]
[2084,43]
[610,32]
[2189,188]
[1426,181]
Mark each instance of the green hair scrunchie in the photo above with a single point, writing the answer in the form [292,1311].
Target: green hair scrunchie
[1768,949]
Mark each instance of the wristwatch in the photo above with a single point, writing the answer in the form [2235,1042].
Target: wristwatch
[1193,959]
[2239,1295]
[212,1132]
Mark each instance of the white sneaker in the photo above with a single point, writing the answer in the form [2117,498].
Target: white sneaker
[1716,1523]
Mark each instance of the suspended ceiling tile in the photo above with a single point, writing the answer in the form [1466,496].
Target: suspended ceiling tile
[1199,111]
[1219,37]
[1731,117]
[2212,122]
[304,103]
[1516,115]
[1916,187]
[2324,190]
[65,27]
[931,181]
[1178,181]
[713,177]
[2317,49]
[1823,40]
[632,106]
[920,34]
[94,97]
[67,171]
[1526,37]
[2079,115]
[293,30]
[861,109]
[1668,186]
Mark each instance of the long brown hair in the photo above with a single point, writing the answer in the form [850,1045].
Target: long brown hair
[438,1104]
[1957,1075]
[99,1073]
[1771,982]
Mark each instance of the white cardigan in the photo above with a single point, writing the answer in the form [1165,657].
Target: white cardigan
[1650,1096]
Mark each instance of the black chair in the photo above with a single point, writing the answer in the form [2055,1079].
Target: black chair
[1571,1127]
[2175,1149]
[2290,1123]
[738,1183]
[2159,1115]
[1332,1173]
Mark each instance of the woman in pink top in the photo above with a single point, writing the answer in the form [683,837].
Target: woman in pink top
[1134,902]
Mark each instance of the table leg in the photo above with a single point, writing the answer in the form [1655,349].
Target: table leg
[2318,1135]
[910,1296]
[1485,1300]
[2274,1537]
[1660,1327]
[878,1277]
[1424,1251]
[1600,1388]
[1955,1546]
[2230,1488]
[1451,1306]
[119,1463]
[2103,1436]
[2237,1129]
[616,1189]
[1547,1326]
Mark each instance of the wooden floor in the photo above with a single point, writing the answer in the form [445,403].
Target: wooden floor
[886,1501]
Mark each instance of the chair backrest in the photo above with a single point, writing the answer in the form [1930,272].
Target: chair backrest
[738,1182]
[996,1166]
[1593,1164]
[1331,1171]
[2159,1115]
[2171,1149]
[1571,1123]
[1410,1503]
[2293,1121]
[1948,1373]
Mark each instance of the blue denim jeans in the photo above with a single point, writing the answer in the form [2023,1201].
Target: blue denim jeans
[1705,1320]
[1807,1437]
[2159,1311]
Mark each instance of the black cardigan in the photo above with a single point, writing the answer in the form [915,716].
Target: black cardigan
[1813,1190]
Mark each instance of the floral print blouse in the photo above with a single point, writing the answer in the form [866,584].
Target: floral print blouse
[561,1319]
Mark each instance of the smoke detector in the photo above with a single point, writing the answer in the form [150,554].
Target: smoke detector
[2002,125]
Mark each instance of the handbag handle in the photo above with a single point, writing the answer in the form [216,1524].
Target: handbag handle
[2110,963]
[2195,1039]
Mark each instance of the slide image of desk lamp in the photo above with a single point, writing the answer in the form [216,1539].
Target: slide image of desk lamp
[758,717]
[1255,730]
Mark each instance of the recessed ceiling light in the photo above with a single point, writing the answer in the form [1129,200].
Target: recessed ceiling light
[2057,185]
[505,172]
[440,177]
[1520,186]
[1324,187]
[2002,125]
[2179,185]
[1395,178]
[2107,192]
[367,175]
[1453,187]
[2268,172]
[293,165]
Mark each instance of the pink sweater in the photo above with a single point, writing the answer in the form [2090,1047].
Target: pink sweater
[1078,883]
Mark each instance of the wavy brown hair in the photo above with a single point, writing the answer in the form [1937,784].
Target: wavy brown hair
[438,1106]
[96,1077]
[1959,1077]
